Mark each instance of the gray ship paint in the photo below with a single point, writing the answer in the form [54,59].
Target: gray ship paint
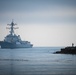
[14,41]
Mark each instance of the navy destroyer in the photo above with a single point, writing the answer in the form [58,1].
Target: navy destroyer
[14,41]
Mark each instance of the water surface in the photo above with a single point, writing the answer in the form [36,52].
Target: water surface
[36,61]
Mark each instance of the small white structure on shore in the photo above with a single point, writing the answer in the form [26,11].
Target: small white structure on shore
[72,44]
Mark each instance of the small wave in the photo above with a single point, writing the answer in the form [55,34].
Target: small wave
[13,60]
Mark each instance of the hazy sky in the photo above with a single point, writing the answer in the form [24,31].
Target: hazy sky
[42,22]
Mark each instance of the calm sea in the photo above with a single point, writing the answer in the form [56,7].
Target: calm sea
[36,61]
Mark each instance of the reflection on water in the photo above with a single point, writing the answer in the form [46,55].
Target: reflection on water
[36,61]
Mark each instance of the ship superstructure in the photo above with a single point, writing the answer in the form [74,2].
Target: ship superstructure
[14,41]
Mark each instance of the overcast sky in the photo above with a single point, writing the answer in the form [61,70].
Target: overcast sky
[42,22]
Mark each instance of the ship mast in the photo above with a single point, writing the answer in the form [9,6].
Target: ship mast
[12,27]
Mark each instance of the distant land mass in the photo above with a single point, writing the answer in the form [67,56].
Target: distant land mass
[67,50]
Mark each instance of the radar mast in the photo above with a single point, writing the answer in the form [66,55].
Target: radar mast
[12,27]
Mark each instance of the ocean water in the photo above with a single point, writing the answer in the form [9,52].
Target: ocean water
[36,61]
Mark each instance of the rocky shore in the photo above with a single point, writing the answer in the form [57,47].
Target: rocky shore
[67,50]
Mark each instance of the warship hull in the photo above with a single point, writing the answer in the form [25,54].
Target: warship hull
[14,41]
[13,45]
